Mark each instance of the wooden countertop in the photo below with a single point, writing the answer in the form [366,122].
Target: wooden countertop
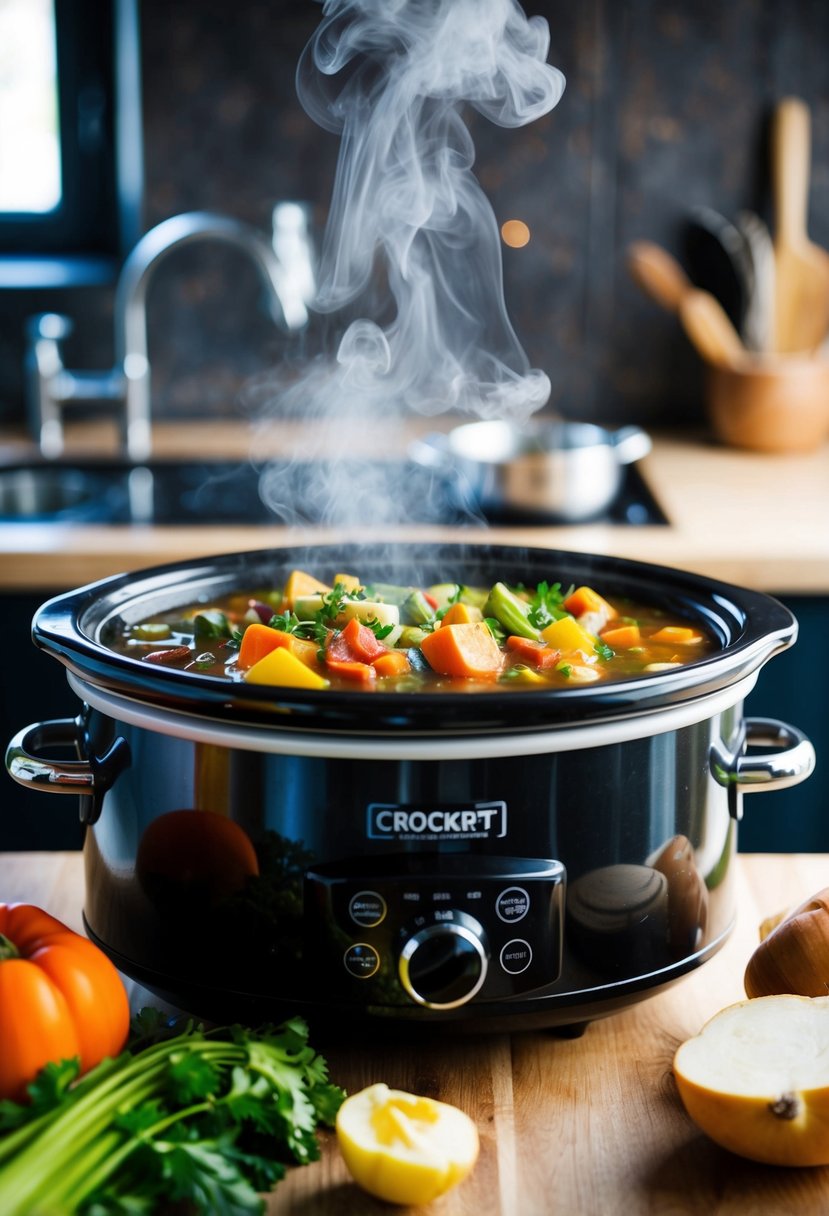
[756,520]
[588,1127]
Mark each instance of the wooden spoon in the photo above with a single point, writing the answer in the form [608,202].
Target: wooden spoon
[658,274]
[801,267]
[703,317]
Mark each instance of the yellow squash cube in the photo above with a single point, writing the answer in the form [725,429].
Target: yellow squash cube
[284,669]
[567,635]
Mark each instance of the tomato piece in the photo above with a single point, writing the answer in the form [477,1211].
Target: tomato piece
[355,643]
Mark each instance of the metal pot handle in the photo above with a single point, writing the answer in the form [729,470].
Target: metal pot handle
[431,452]
[631,443]
[791,762]
[90,778]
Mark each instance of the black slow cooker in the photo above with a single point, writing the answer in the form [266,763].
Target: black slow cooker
[499,860]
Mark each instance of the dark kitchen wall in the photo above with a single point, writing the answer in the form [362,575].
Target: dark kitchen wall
[666,107]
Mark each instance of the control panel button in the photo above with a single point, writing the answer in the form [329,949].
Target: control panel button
[361,960]
[367,908]
[512,905]
[516,956]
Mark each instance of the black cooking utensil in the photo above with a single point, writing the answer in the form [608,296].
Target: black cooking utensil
[717,260]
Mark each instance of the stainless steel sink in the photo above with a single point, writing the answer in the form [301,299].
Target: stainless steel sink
[49,492]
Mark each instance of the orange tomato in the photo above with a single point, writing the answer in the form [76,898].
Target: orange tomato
[192,854]
[60,997]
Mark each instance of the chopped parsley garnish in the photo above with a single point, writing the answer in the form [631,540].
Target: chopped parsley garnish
[332,603]
[496,629]
[546,604]
[379,630]
[604,651]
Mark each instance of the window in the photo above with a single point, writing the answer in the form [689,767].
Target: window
[30,161]
[70,146]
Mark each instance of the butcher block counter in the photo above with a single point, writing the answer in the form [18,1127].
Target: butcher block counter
[590,1126]
[756,520]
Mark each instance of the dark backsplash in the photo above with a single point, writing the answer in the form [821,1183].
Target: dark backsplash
[666,107]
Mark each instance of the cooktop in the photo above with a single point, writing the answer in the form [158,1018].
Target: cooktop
[296,492]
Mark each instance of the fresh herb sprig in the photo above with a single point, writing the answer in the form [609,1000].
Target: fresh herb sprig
[204,1118]
[379,630]
[496,629]
[546,604]
[289,622]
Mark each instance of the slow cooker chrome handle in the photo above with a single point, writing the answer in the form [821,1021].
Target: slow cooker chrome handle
[56,776]
[791,762]
[89,778]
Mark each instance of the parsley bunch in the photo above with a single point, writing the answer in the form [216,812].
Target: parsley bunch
[207,1118]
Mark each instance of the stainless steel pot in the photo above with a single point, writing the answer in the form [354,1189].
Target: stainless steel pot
[567,471]
[501,860]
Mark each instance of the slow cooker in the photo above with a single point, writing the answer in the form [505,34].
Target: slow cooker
[496,860]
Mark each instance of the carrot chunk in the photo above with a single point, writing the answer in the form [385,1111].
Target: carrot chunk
[622,637]
[350,669]
[585,599]
[392,663]
[260,640]
[468,651]
[257,641]
[461,614]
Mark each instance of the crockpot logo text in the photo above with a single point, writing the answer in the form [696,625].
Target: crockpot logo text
[480,820]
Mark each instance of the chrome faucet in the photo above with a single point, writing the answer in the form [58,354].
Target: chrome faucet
[287,269]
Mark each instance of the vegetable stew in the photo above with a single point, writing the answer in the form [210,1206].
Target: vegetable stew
[348,634]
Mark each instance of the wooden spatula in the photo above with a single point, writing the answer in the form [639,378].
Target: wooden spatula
[801,267]
[703,318]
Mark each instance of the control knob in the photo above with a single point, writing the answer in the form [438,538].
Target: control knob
[443,963]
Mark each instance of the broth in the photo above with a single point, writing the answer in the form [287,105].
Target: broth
[377,636]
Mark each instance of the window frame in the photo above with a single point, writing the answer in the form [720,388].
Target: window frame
[98,219]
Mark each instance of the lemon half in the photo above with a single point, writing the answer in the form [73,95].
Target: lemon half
[404,1148]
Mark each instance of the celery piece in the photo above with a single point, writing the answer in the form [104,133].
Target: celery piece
[151,631]
[388,593]
[416,609]
[410,636]
[510,611]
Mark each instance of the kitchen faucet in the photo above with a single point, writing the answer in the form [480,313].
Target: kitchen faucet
[287,270]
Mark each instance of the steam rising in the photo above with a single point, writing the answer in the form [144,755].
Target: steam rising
[412,248]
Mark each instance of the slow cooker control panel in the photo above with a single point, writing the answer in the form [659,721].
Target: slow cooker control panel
[437,931]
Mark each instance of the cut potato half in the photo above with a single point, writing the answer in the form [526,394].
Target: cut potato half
[756,1079]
